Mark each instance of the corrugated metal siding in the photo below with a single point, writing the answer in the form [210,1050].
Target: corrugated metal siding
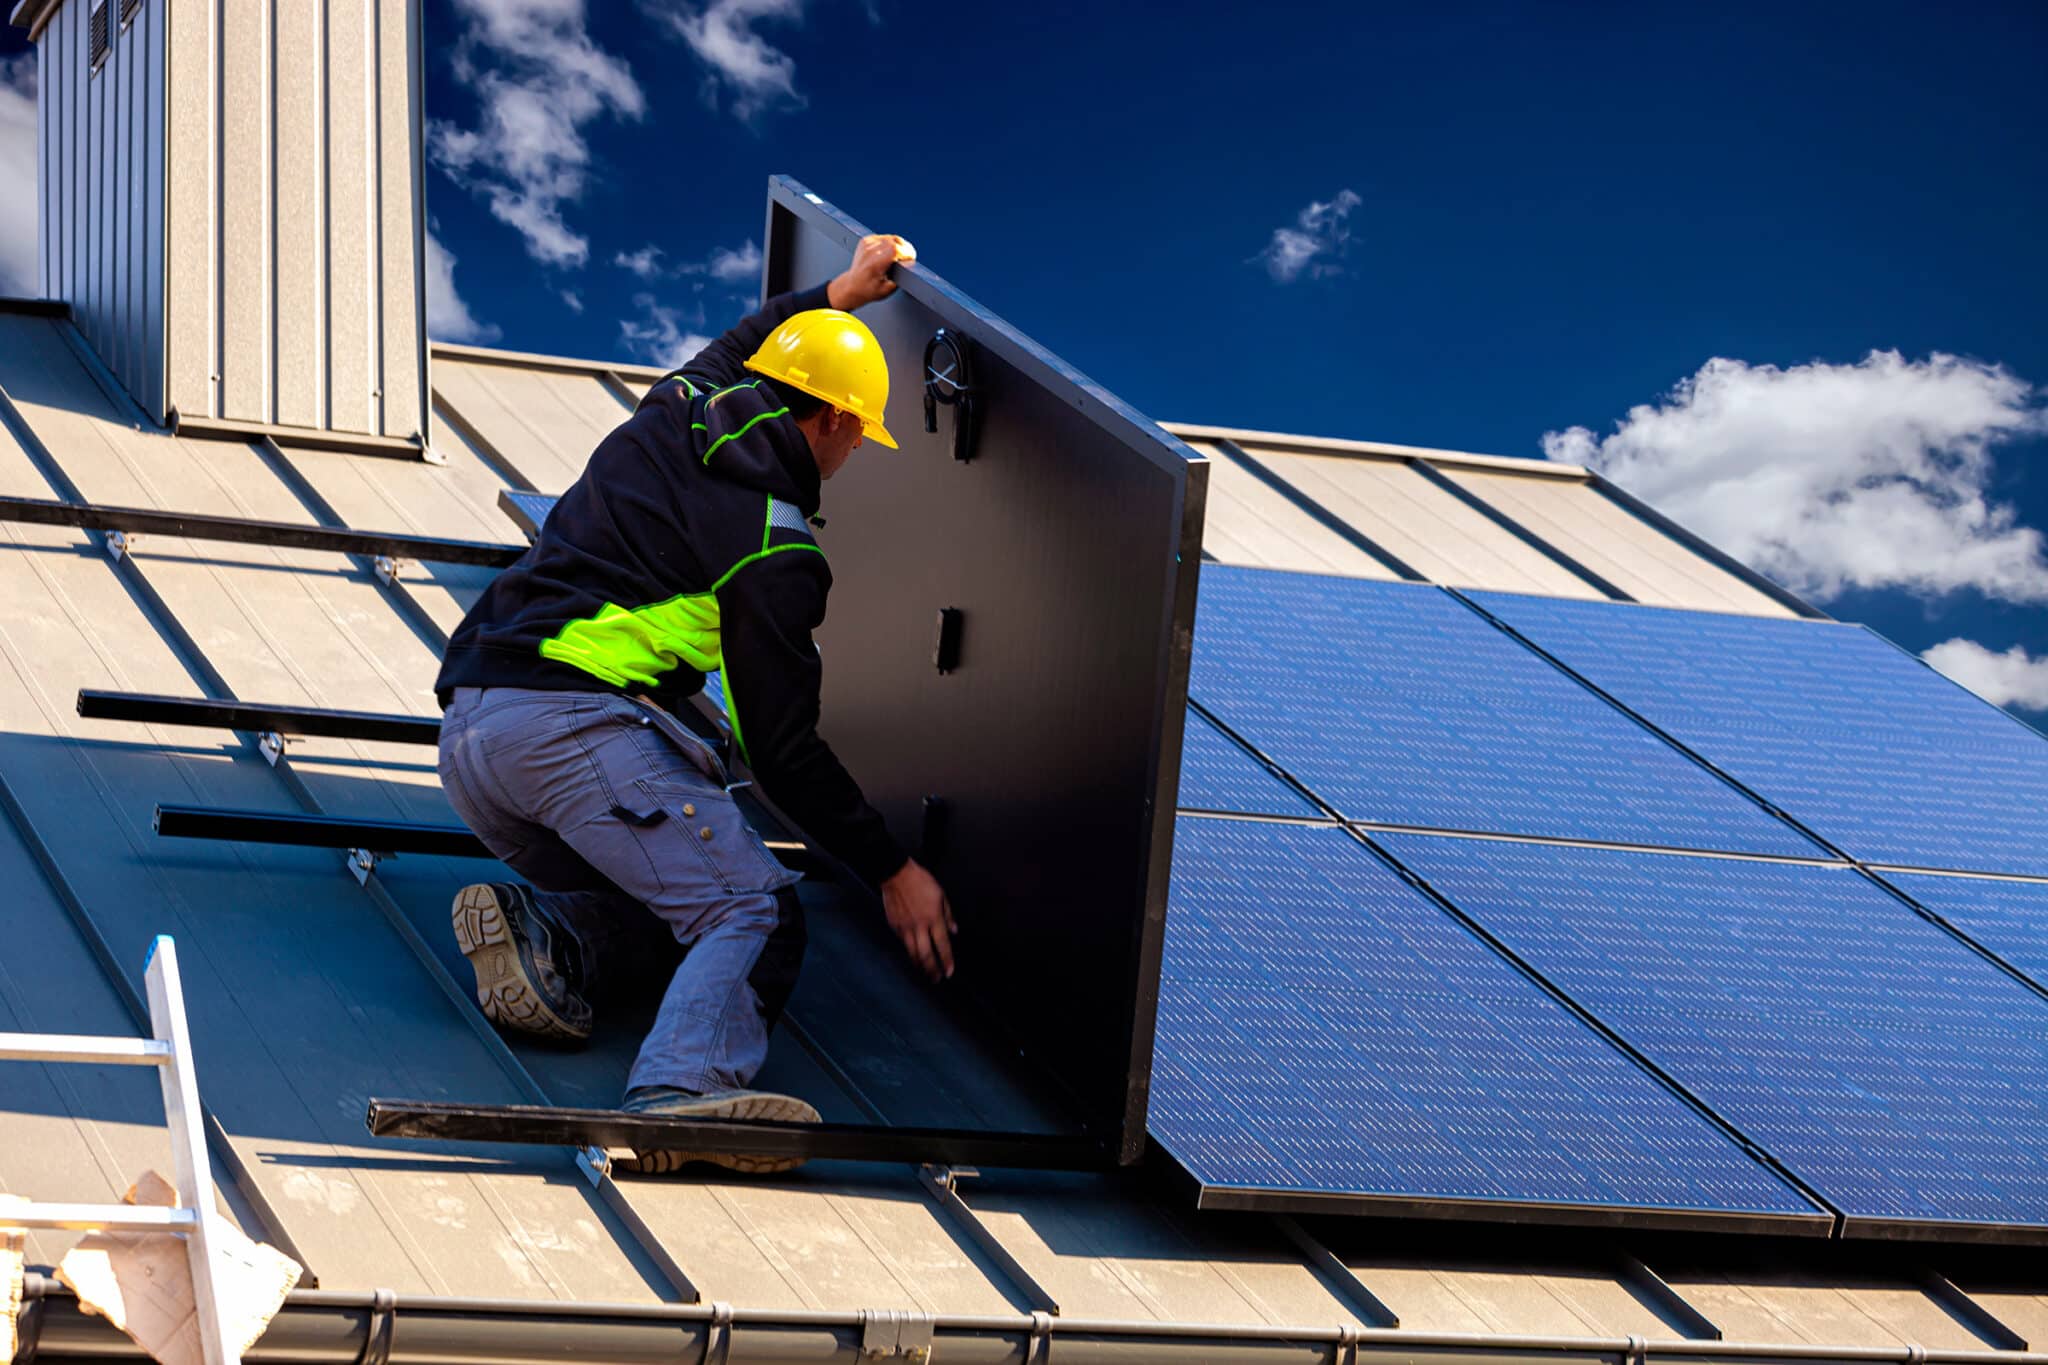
[292,175]
[1611,541]
[1421,523]
[101,174]
[544,423]
[1248,522]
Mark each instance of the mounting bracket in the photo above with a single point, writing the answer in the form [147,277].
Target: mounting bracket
[952,387]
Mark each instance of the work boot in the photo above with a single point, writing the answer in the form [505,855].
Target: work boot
[671,1102]
[529,967]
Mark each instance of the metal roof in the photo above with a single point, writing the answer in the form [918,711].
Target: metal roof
[310,993]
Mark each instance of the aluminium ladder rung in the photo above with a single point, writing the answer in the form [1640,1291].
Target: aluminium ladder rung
[99,1218]
[80,1047]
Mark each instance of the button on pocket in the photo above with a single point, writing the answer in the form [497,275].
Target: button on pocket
[727,851]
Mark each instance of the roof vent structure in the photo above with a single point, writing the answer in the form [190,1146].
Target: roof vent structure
[98,40]
[230,203]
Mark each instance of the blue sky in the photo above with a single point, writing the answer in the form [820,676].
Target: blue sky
[1532,218]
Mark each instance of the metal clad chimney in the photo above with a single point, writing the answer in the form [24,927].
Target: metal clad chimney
[231,204]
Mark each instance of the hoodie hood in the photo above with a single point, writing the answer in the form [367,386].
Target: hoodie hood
[745,435]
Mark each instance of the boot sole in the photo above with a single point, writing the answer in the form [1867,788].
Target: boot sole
[779,1108]
[503,992]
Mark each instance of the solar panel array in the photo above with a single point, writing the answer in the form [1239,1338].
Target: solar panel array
[1861,742]
[1893,1069]
[1412,1062]
[1459,1023]
[1398,704]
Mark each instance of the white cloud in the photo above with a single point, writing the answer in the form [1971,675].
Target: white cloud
[741,65]
[574,299]
[735,265]
[660,335]
[646,262]
[539,79]
[1316,244]
[19,273]
[2011,678]
[448,317]
[1827,477]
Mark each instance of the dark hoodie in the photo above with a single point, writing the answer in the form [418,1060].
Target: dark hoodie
[687,544]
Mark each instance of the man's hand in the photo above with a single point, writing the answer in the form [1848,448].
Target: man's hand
[867,279]
[917,910]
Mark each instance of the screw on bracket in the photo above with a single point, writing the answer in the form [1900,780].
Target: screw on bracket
[361,863]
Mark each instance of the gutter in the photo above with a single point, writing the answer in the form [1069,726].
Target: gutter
[317,1326]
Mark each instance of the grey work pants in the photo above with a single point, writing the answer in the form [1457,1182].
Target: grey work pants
[616,812]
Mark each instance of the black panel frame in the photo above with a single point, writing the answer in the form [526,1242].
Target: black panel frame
[1072,545]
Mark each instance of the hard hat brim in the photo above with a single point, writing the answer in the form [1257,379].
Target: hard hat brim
[875,431]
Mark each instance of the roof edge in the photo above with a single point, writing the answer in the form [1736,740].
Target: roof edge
[533,360]
[442,1329]
[32,15]
[1337,445]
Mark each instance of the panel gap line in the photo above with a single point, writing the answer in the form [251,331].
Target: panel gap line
[1515,528]
[1318,513]
[1266,761]
[1743,789]
[1960,873]
[1311,821]
[1563,841]
[1757,1152]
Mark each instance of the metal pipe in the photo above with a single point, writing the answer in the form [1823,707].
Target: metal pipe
[325,1325]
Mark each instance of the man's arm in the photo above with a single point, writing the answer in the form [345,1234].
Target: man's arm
[866,280]
[723,362]
[772,675]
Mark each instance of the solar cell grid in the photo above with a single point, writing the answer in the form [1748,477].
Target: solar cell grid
[1883,1061]
[1217,774]
[1325,1028]
[2009,918]
[1398,704]
[1864,744]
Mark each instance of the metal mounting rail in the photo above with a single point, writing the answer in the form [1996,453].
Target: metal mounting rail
[541,1125]
[380,836]
[256,717]
[243,531]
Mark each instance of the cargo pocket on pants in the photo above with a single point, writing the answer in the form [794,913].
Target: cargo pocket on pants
[727,849]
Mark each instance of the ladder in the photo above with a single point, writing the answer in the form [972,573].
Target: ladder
[169,1050]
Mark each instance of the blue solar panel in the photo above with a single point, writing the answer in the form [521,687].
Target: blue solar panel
[1885,1063]
[2009,918]
[1325,1028]
[1217,774]
[527,510]
[1398,704]
[1867,746]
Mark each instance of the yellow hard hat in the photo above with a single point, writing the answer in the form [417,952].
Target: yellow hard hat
[831,354]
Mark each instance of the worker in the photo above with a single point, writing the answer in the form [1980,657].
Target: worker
[569,745]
